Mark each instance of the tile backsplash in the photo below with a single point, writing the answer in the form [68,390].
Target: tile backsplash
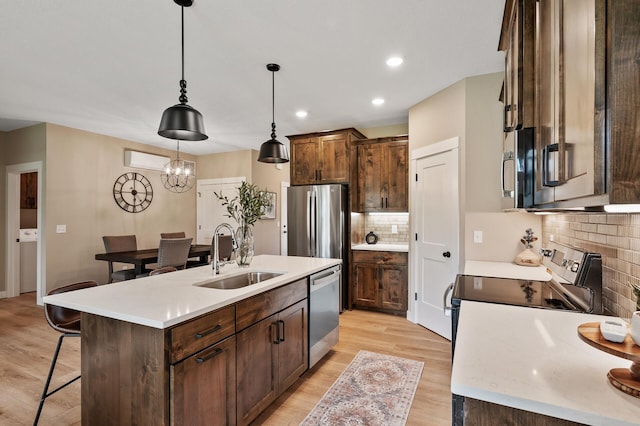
[382,225]
[617,238]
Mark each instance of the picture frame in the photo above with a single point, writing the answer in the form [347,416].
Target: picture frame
[270,210]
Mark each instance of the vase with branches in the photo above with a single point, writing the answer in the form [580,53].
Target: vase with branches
[245,208]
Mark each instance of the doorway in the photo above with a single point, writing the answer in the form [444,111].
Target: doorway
[283,219]
[13,225]
[435,220]
[210,212]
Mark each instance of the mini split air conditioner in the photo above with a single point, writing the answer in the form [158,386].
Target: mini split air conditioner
[142,160]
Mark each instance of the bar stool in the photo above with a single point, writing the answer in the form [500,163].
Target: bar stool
[67,322]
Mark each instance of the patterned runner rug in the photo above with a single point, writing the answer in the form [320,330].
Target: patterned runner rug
[374,389]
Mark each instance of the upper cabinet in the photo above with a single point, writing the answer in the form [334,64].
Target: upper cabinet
[517,40]
[584,107]
[322,157]
[382,175]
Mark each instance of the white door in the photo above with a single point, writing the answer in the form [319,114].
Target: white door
[283,219]
[435,254]
[210,211]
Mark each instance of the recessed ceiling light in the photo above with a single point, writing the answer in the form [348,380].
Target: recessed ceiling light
[377,101]
[394,61]
[301,114]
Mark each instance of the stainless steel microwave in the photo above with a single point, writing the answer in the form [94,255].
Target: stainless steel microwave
[517,170]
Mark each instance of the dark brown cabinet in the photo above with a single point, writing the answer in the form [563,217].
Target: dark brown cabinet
[204,386]
[322,157]
[517,40]
[383,175]
[29,190]
[222,368]
[271,353]
[587,84]
[380,280]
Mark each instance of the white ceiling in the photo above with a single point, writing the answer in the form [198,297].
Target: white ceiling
[112,67]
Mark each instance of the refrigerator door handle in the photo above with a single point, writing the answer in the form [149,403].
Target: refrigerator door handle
[313,223]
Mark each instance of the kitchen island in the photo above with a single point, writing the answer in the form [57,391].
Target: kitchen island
[166,350]
[533,360]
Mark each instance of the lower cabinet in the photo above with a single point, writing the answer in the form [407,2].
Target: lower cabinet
[380,281]
[204,386]
[271,355]
[222,368]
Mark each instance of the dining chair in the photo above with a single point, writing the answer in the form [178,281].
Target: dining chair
[67,322]
[172,235]
[173,252]
[225,247]
[163,270]
[114,244]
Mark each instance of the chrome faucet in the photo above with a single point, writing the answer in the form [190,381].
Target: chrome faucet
[216,263]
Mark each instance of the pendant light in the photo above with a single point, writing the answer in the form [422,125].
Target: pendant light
[178,175]
[273,151]
[181,121]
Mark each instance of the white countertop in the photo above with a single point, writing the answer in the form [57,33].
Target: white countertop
[382,247]
[506,270]
[165,300]
[533,359]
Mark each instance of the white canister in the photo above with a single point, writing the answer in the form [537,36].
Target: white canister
[635,327]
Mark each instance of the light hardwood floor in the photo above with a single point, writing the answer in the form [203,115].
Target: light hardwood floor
[27,344]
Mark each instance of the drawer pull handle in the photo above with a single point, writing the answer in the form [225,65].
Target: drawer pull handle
[281,323]
[276,340]
[206,333]
[214,354]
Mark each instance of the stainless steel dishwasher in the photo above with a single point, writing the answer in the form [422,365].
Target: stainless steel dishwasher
[324,310]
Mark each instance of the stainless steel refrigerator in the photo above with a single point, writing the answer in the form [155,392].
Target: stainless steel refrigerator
[318,225]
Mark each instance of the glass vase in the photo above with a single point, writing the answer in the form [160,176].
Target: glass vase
[244,252]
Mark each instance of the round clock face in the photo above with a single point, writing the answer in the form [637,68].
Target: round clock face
[132,192]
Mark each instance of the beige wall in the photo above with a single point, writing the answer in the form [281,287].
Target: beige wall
[267,176]
[483,143]
[17,147]
[81,170]
[384,131]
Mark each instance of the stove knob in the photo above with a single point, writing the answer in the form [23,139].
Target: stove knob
[575,266]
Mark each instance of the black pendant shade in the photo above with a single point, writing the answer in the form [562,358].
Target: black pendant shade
[181,121]
[273,151]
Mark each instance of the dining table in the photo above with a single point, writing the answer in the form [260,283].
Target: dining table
[141,258]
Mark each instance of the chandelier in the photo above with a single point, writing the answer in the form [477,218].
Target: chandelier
[178,175]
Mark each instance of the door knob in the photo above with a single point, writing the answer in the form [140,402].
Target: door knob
[446,254]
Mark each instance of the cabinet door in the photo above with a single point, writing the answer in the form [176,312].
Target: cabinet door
[394,287]
[513,72]
[304,161]
[548,107]
[370,177]
[396,168]
[581,78]
[366,285]
[256,369]
[204,386]
[292,344]
[334,159]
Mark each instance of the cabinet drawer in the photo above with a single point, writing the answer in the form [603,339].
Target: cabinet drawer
[380,257]
[256,308]
[201,332]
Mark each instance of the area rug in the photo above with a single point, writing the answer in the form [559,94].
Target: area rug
[374,389]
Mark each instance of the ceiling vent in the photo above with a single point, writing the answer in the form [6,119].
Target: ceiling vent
[142,160]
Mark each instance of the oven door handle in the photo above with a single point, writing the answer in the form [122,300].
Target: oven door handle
[506,156]
[447,308]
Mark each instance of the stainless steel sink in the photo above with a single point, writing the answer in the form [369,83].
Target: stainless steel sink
[239,281]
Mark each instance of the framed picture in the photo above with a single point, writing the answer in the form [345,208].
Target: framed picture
[270,210]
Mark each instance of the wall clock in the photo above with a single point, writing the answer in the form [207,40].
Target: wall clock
[132,192]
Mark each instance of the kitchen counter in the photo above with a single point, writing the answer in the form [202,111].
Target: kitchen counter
[164,300]
[533,360]
[506,270]
[382,247]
